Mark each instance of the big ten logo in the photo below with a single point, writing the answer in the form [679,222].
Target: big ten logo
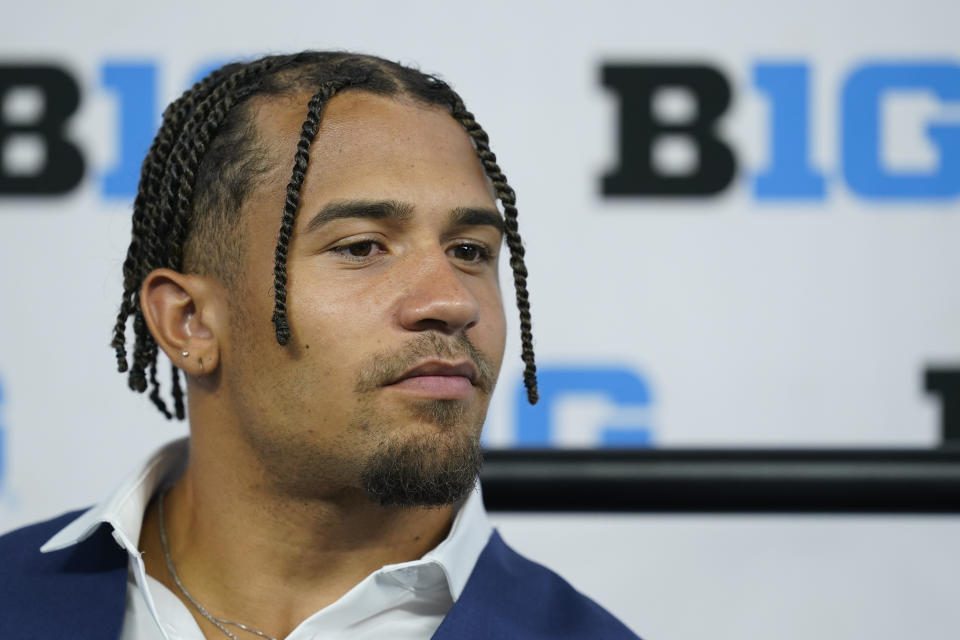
[37,102]
[865,119]
[585,406]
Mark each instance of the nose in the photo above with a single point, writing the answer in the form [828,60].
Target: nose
[436,297]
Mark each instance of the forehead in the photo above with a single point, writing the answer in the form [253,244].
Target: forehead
[377,147]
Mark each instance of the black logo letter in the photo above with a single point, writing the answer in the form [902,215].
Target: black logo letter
[636,86]
[945,383]
[63,168]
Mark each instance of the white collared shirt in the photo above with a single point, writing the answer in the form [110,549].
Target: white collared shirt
[403,601]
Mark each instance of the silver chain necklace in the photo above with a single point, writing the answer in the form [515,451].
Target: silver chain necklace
[218,622]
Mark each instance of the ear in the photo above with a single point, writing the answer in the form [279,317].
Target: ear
[184,314]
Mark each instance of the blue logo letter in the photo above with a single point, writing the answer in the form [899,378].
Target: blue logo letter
[862,97]
[790,174]
[621,386]
[135,85]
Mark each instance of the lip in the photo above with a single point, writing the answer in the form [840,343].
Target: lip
[464,369]
[438,379]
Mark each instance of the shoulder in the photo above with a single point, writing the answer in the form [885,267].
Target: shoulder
[43,592]
[511,596]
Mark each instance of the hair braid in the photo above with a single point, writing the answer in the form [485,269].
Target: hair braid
[145,204]
[159,216]
[173,258]
[292,202]
[177,392]
[137,379]
[178,183]
[155,391]
[167,177]
[188,152]
[508,198]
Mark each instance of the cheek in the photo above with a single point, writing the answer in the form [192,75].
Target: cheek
[331,310]
[489,335]
[334,331]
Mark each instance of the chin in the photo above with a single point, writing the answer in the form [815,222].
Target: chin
[426,469]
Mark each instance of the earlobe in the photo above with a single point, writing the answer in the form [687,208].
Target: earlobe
[182,313]
[186,365]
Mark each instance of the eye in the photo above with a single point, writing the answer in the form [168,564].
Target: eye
[360,250]
[470,252]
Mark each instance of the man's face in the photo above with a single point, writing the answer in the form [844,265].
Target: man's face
[393,301]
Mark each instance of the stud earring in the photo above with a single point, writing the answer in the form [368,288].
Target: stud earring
[184,353]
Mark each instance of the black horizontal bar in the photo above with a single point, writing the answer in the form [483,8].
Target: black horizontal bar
[723,480]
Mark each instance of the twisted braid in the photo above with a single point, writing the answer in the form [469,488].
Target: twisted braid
[145,250]
[155,391]
[180,175]
[508,198]
[292,202]
[161,217]
[144,205]
[188,152]
[177,392]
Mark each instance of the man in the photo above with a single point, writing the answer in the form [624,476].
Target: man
[338,374]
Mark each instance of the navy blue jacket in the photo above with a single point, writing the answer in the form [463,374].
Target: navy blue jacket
[80,593]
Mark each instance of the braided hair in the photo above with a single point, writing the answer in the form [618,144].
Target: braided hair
[205,160]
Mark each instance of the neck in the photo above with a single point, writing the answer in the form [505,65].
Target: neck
[251,554]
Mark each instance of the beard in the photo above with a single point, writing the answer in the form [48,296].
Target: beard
[424,471]
[424,453]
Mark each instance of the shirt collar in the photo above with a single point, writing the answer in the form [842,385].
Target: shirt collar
[123,510]
[460,550]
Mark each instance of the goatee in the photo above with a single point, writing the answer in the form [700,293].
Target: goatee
[427,471]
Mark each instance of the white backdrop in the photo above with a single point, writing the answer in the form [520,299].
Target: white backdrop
[728,320]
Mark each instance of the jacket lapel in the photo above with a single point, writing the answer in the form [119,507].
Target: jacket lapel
[510,597]
[484,609]
[78,592]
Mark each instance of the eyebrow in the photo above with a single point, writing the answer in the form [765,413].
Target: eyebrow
[399,211]
[474,217]
[378,210]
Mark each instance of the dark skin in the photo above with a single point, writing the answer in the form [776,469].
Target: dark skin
[270,522]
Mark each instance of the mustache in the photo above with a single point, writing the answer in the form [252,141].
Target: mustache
[385,367]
